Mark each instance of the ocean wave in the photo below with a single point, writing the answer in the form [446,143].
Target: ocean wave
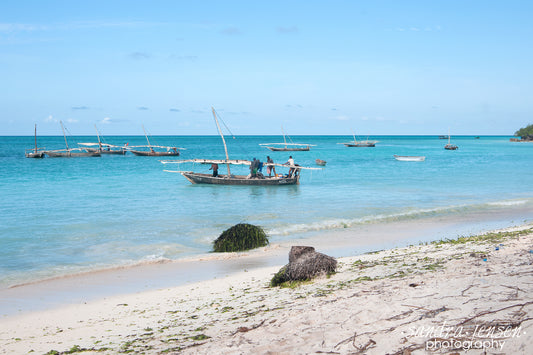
[336,223]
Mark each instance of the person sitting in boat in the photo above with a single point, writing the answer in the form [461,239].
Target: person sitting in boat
[214,167]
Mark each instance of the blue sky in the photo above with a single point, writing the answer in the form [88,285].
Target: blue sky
[313,67]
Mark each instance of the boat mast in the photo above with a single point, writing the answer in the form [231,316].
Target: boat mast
[149,145]
[284,140]
[354,136]
[36,138]
[223,141]
[64,135]
[98,135]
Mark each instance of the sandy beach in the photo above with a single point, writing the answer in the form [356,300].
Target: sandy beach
[468,295]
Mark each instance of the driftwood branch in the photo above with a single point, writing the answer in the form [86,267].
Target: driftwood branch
[521,305]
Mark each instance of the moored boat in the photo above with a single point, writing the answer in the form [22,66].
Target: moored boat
[70,152]
[154,150]
[287,147]
[35,152]
[409,157]
[254,179]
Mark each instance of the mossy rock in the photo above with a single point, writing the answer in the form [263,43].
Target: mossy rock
[240,237]
[280,277]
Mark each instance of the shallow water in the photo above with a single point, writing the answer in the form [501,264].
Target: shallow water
[61,216]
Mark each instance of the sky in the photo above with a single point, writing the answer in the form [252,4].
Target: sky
[306,67]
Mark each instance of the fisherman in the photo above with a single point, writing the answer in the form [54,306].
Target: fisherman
[214,167]
[253,167]
[270,168]
[290,163]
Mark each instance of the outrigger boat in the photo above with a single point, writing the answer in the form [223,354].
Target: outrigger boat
[360,144]
[103,148]
[35,152]
[287,147]
[292,178]
[70,152]
[450,146]
[151,152]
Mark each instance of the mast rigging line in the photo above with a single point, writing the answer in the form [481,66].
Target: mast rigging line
[243,151]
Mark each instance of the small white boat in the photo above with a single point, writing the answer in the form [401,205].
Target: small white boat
[409,157]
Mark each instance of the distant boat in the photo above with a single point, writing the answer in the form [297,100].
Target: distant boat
[287,147]
[450,146]
[360,144]
[444,137]
[292,178]
[320,162]
[409,157]
[103,148]
[35,152]
[70,152]
[159,151]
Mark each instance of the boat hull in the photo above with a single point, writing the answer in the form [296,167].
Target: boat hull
[274,149]
[154,154]
[36,155]
[197,178]
[67,154]
[360,145]
[109,152]
[409,158]
[450,147]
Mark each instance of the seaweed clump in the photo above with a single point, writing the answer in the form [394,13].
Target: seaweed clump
[240,237]
[304,264]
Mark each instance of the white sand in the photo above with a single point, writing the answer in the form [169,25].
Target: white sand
[397,301]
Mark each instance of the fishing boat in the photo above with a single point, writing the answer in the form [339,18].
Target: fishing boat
[292,178]
[103,148]
[360,144]
[69,152]
[287,147]
[320,162]
[409,157]
[35,152]
[450,146]
[154,150]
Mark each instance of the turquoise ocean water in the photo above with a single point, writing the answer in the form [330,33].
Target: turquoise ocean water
[62,216]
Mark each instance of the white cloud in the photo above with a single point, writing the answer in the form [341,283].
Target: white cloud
[51,119]
[72,120]
[342,118]
[106,120]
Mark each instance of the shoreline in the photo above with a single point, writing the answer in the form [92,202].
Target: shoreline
[377,301]
[356,240]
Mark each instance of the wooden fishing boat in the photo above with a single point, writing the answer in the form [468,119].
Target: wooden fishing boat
[35,152]
[103,148]
[450,146]
[287,147]
[154,150]
[360,144]
[409,157]
[292,178]
[70,152]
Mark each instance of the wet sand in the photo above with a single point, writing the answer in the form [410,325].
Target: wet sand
[414,299]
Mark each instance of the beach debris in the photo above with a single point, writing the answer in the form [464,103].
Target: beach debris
[304,264]
[241,237]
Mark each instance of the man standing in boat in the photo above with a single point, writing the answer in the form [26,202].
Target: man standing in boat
[290,163]
[270,168]
[214,167]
